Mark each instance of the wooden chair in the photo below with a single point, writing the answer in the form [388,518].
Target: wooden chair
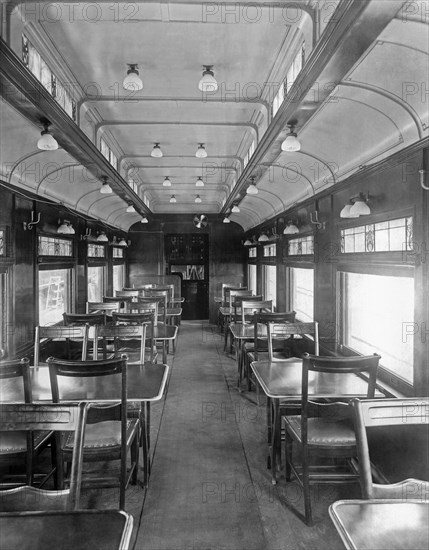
[64,333]
[226,289]
[137,319]
[30,418]
[234,296]
[374,413]
[244,311]
[81,319]
[257,349]
[25,444]
[325,429]
[109,431]
[124,336]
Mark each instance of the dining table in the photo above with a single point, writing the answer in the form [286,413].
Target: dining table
[71,530]
[145,384]
[382,524]
[281,380]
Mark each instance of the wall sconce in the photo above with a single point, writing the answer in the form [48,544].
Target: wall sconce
[102,237]
[290,229]
[423,173]
[122,242]
[29,225]
[315,220]
[65,228]
[250,242]
[358,207]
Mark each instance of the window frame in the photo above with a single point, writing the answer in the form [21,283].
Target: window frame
[47,265]
[289,282]
[387,377]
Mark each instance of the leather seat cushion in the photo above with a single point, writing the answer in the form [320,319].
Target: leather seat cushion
[322,431]
[103,435]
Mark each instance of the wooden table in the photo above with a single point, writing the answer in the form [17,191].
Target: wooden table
[80,530]
[382,524]
[145,383]
[282,380]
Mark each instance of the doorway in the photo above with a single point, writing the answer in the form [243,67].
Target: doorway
[187,255]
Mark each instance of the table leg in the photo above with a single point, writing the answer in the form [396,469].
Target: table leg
[144,442]
[276,439]
[238,352]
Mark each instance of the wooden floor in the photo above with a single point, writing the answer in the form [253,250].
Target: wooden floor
[209,487]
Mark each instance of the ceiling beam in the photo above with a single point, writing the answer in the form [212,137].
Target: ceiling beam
[353,28]
[21,89]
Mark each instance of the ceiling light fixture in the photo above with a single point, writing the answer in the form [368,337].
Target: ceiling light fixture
[199,182]
[248,242]
[156,151]
[144,220]
[207,82]
[198,199]
[252,189]
[47,142]
[173,199]
[130,209]
[263,237]
[105,188]
[102,237]
[290,229]
[122,242]
[166,182]
[291,143]
[201,152]
[235,209]
[226,220]
[132,81]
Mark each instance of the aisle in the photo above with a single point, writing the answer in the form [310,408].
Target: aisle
[200,492]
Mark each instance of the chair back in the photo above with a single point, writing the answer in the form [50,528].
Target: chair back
[154,304]
[249,307]
[226,287]
[285,331]
[374,413]
[122,335]
[137,319]
[133,293]
[59,369]
[162,295]
[261,321]
[38,417]
[168,288]
[18,368]
[234,295]
[103,307]
[65,333]
[79,319]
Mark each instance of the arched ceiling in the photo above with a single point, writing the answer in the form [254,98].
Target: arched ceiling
[360,98]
